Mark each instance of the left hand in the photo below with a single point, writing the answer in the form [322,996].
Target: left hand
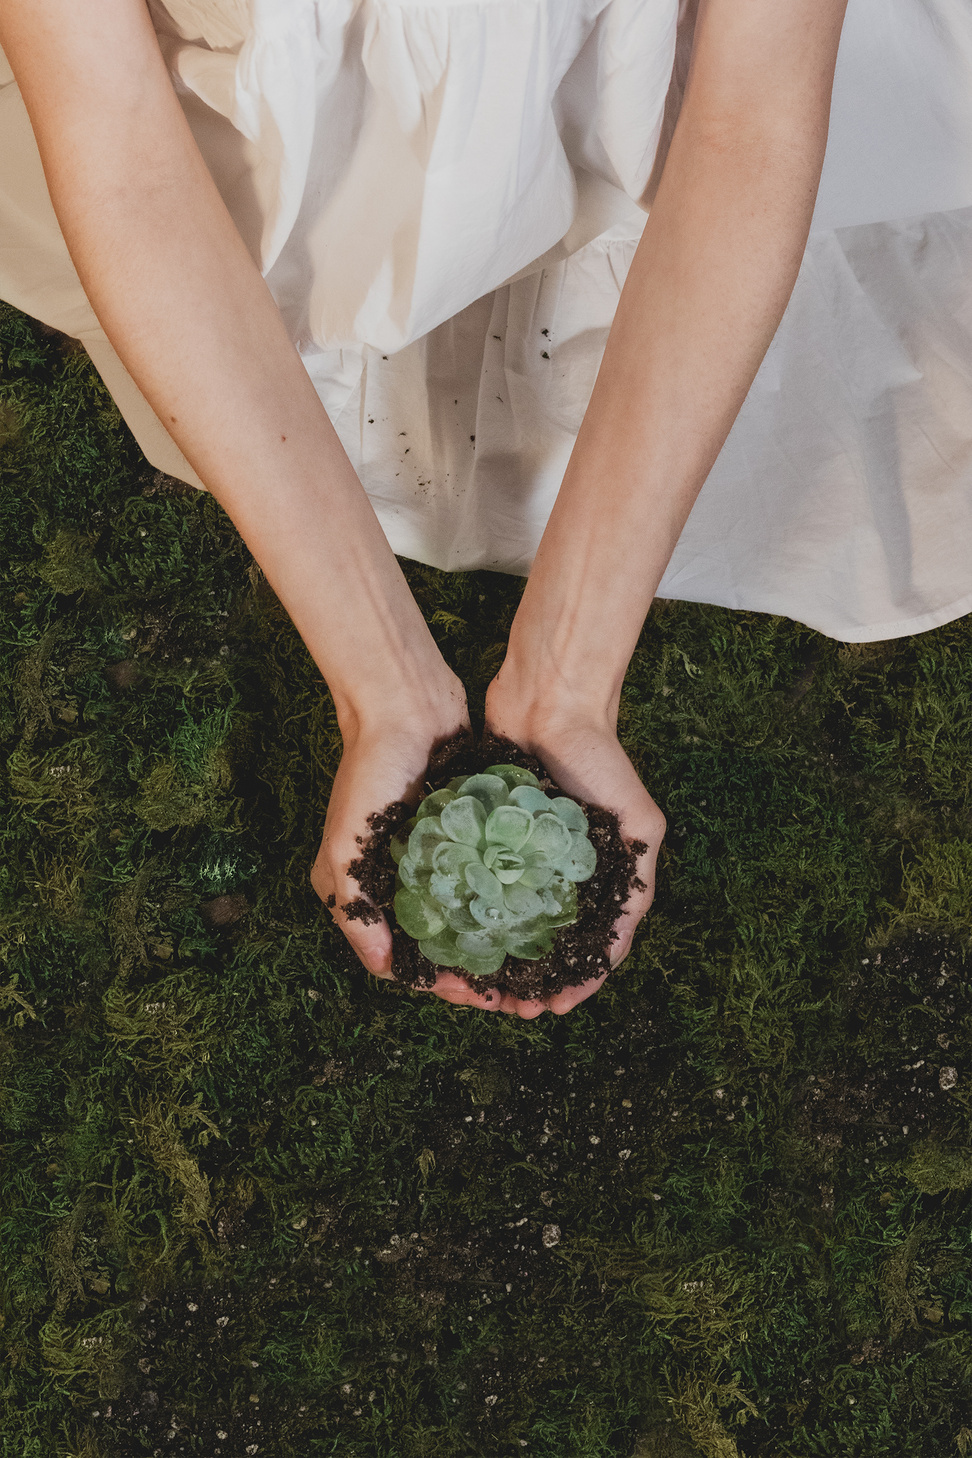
[582,753]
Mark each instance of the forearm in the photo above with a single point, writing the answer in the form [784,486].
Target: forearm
[706,291]
[186,309]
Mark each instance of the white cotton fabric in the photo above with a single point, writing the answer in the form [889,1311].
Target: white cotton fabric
[444,199]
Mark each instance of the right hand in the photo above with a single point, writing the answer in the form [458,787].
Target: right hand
[382,763]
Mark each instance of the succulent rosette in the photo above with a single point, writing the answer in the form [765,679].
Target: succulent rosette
[488,868]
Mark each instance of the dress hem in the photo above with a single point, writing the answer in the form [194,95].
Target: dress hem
[873,633]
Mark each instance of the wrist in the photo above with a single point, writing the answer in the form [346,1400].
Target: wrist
[558,676]
[414,700]
[537,709]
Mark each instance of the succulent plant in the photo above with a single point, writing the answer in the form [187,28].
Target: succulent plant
[488,867]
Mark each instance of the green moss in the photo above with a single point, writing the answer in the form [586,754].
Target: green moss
[248,1191]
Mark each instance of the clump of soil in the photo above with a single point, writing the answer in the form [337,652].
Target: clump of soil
[580,951]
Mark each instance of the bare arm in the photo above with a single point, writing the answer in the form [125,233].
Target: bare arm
[188,312]
[705,294]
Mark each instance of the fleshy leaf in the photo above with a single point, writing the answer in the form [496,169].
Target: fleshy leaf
[417,915]
[460,918]
[488,867]
[489,914]
[563,912]
[532,947]
[489,790]
[510,826]
[550,838]
[479,943]
[448,891]
[464,819]
[512,775]
[484,883]
[451,856]
[423,840]
[583,857]
[538,872]
[522,901]
[571,814]
[399,841]
[413,876]
[442,949]
[484,966]
[528,797]
[433,803]
[505,864]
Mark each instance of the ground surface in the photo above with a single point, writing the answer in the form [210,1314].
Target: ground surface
[254,1202]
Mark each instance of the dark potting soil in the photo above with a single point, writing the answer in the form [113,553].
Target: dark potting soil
[581,950]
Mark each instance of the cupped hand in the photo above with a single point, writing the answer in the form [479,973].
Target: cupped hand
[379,765]
[583,755]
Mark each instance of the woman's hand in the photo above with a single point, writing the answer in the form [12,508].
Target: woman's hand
[581,752]
[384,760]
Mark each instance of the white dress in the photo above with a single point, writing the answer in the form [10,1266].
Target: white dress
[444,199]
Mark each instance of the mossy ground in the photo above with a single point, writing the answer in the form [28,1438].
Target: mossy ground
[253,1201]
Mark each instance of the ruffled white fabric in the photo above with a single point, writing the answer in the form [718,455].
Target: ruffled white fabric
[445,198]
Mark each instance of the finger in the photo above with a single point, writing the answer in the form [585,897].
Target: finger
[361,922]
[637,904]
[562,1002]
[455,989]
[485,1002]
[371,942]
[529,1008]
[522,1007]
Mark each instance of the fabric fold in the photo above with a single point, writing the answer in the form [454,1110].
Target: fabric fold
[445,196]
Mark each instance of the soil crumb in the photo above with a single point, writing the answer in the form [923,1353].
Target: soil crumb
[361,910]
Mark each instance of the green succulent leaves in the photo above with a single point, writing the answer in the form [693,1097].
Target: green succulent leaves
[488,868]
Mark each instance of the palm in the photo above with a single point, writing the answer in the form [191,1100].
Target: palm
[588,763]
[374,771]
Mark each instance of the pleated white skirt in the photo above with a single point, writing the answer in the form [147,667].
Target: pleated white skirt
[445,198]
